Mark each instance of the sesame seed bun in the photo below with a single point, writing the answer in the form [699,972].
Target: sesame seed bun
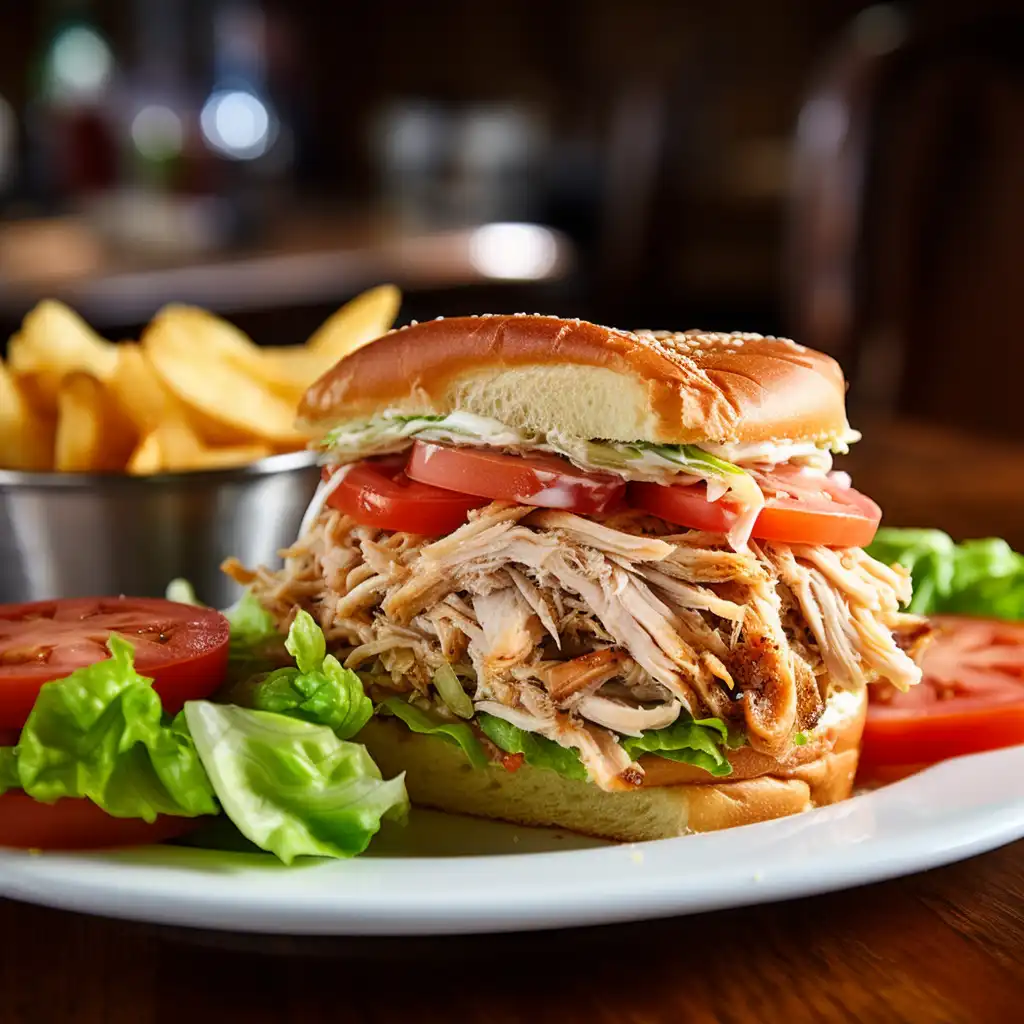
[543,374]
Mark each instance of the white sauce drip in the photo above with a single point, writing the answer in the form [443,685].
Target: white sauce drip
[395,431]
[323,491]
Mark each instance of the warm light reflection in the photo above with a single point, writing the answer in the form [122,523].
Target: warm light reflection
[525,252]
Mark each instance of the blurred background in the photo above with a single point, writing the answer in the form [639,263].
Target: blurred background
[851,174]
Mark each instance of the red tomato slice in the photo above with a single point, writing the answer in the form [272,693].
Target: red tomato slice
[970,699]
[184,649]
[378,493]
[536,479]
[79,825]
[800,508]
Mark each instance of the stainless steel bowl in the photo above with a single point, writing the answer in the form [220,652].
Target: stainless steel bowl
[79,535]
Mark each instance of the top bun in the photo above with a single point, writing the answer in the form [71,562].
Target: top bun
[542,374]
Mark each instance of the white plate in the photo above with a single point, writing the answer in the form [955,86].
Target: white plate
[447,875]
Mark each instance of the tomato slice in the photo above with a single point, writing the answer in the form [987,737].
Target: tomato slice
[800,508]
[970,699]
[684,504]
[377,492]
[79,825]
[184,649]
[535,479]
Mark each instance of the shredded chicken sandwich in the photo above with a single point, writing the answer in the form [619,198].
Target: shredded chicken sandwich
[611,560]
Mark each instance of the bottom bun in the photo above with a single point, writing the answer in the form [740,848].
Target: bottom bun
[438,776]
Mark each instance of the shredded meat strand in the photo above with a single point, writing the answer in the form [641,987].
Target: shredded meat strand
[583,629]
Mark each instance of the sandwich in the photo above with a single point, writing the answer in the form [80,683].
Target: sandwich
[597,579]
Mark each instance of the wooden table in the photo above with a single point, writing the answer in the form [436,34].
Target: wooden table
[943,946]
[306,258]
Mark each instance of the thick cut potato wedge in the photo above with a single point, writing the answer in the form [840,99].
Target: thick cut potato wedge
[174,447]
[53,342]
[361,320]
[92,433]
[222,392]
[189,328]
[357,323]
[139,390]
[26,437]
[194,393]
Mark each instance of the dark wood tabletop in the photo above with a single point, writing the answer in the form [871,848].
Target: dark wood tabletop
[308,257]
[945,946]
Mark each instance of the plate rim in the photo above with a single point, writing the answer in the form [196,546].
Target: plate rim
[830,848]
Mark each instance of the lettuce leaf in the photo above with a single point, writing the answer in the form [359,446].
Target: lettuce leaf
[928,554]
[537,751]
[978,577]
[291,787]
[694,741]
[250,622]
[101,734]
[317,690]
[8,770]
[255,644]
[181,591]
[697,742]
[423,722]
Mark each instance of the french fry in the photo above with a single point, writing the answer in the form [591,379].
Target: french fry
[179,443]
[148,403]
[26,437]
[138,389]
[193,328]
[148,458]
[360,321]
[222,392]
[53,342]
[173,447]
[92,434]
[226,458]
[194,393]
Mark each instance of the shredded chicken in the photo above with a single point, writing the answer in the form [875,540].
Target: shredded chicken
[567,679]
[583,630]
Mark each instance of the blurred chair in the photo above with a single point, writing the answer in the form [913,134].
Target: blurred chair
[906,235]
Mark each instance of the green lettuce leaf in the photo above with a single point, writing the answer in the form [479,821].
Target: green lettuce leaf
[255,643]
[252,626]
[928,554]
[978,577]
[318,690]
[8,770]
[690,457]
[422,721]
[250,621]
[537,751]
[306,643]
[695,741]
[182,591]
[101,734]
[291,787]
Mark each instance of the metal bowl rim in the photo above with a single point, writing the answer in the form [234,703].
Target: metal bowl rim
[16,479]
